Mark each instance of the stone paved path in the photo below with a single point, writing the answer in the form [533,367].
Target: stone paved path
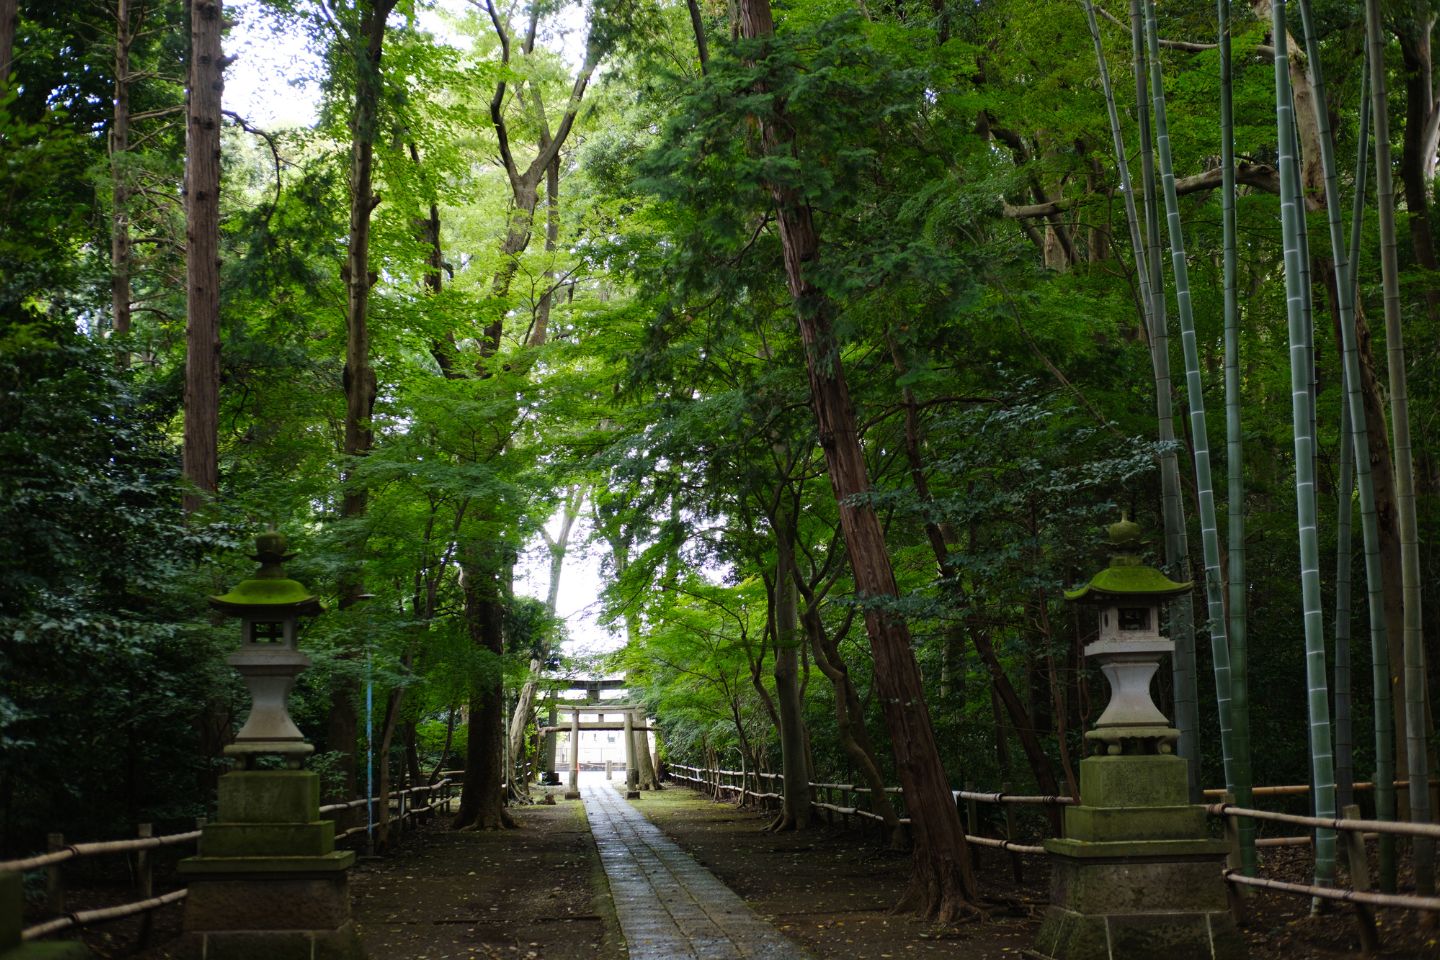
[669,906]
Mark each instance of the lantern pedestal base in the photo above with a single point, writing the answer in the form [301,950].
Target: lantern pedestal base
[1136,876]
[268,881]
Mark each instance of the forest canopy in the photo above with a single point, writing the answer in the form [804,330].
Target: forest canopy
[838,331]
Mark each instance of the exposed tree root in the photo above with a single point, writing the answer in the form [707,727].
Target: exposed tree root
[929,900]
[501,822]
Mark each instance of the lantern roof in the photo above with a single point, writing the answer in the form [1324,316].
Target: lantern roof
[269,591]
[1127,576]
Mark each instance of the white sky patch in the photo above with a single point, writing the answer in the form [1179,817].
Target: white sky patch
[581,581]
[274,80]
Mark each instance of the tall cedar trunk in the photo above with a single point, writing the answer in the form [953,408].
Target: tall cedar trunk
[199,454]
[9,21]
[942,880]
[938,536]
[119,189]
[342,727]
[795,813]
[481,801]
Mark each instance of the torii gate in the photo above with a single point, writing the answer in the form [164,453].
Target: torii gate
[628,713]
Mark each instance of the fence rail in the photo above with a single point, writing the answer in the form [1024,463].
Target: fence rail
[61,852]
[1354,830]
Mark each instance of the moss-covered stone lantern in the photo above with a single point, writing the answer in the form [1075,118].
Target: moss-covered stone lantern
[1129,595]
[1136,875]
[269,606]
[267,880]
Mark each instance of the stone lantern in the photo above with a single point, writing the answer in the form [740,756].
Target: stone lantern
[1136,875]
[269,606]
[268,881]
[1129,595]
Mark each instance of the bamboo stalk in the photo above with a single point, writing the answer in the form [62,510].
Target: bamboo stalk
[1234,456]
[1292,224]
[1194,391]
[1416,732]
[1177,545]
[1347,296]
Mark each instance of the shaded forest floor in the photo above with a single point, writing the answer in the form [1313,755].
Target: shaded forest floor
[832,890]
[536,893]
[539,893]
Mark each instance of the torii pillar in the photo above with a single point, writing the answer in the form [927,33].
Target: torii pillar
[573,793]
[549,775]
[632,773]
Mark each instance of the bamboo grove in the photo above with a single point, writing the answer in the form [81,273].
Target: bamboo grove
[831,334]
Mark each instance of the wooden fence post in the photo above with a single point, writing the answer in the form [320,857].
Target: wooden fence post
[1360,882]
[145,882]
[1016,866]
[54,882]
[144,864]
[972,811]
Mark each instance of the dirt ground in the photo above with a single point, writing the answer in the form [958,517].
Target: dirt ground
[536,893]
[539,893]
[832,891]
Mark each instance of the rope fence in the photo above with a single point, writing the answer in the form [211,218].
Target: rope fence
[404,809]
[1353,829]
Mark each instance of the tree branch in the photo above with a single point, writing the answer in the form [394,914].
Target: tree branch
[1258,175]
[1263,50]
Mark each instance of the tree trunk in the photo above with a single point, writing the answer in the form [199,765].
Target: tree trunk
[942,880]
[358,377]
[200,456]
[387,737]
[795,812]
[1387,519]
[697,26]
[850,722]
[643,760]
[9,21]
[519,721]
[481,800]
[412,754]
[120,254]
[540,329]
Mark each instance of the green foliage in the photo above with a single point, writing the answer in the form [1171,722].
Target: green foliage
[105,658]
